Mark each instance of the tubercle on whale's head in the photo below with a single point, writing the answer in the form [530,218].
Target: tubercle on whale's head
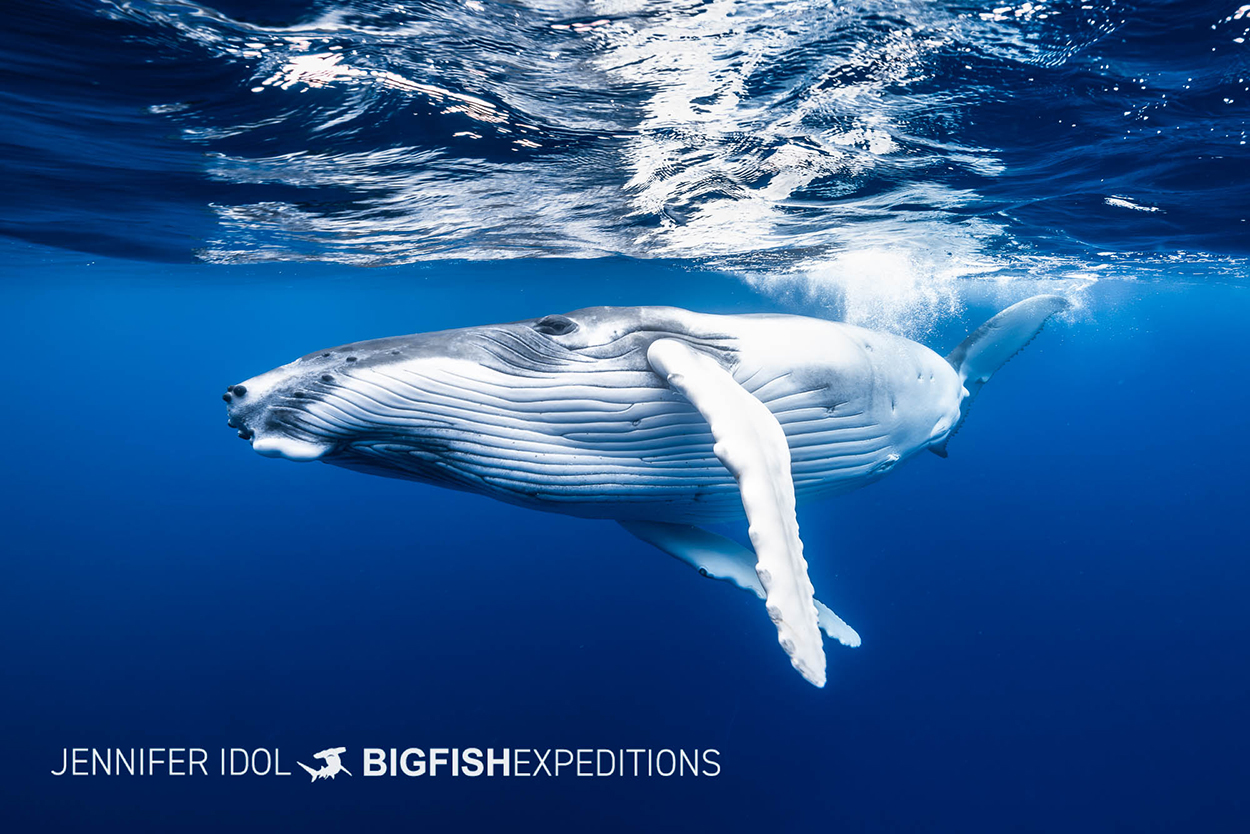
[271,410]
[266,411]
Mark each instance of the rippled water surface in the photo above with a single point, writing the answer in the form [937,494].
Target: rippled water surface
[854,147]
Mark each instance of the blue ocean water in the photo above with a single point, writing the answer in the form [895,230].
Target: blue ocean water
[1054,620]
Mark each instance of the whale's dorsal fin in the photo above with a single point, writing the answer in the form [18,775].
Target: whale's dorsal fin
[752,446]
[717,557]
[978,357]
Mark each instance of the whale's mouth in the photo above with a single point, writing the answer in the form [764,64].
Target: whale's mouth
[290,448]
[258,424]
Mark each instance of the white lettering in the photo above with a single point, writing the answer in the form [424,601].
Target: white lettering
[413,770]
[375,761]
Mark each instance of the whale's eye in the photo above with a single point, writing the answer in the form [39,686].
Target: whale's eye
[702,571]
[555,325]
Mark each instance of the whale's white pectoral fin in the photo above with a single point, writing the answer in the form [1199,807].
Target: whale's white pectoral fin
[713,556]
[752,446]
[835,626]
[717,557]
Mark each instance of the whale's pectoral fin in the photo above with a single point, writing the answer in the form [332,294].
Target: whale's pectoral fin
[835,626]
[713,556]
[978,357]
[717,557]
[752,445]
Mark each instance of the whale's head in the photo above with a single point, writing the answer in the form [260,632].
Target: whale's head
[315,407]
[392,405]
[268,412]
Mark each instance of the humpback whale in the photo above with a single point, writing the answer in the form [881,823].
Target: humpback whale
[656,417]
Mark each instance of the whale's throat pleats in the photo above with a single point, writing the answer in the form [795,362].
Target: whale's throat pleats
[590,443]
[592,431]
[576,439]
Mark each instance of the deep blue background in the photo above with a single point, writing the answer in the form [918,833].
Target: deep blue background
[1055,624]
[1054,620]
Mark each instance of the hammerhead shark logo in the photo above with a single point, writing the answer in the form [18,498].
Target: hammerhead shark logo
[333,765]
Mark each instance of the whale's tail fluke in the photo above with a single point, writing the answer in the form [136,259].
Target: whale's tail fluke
[989,347]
